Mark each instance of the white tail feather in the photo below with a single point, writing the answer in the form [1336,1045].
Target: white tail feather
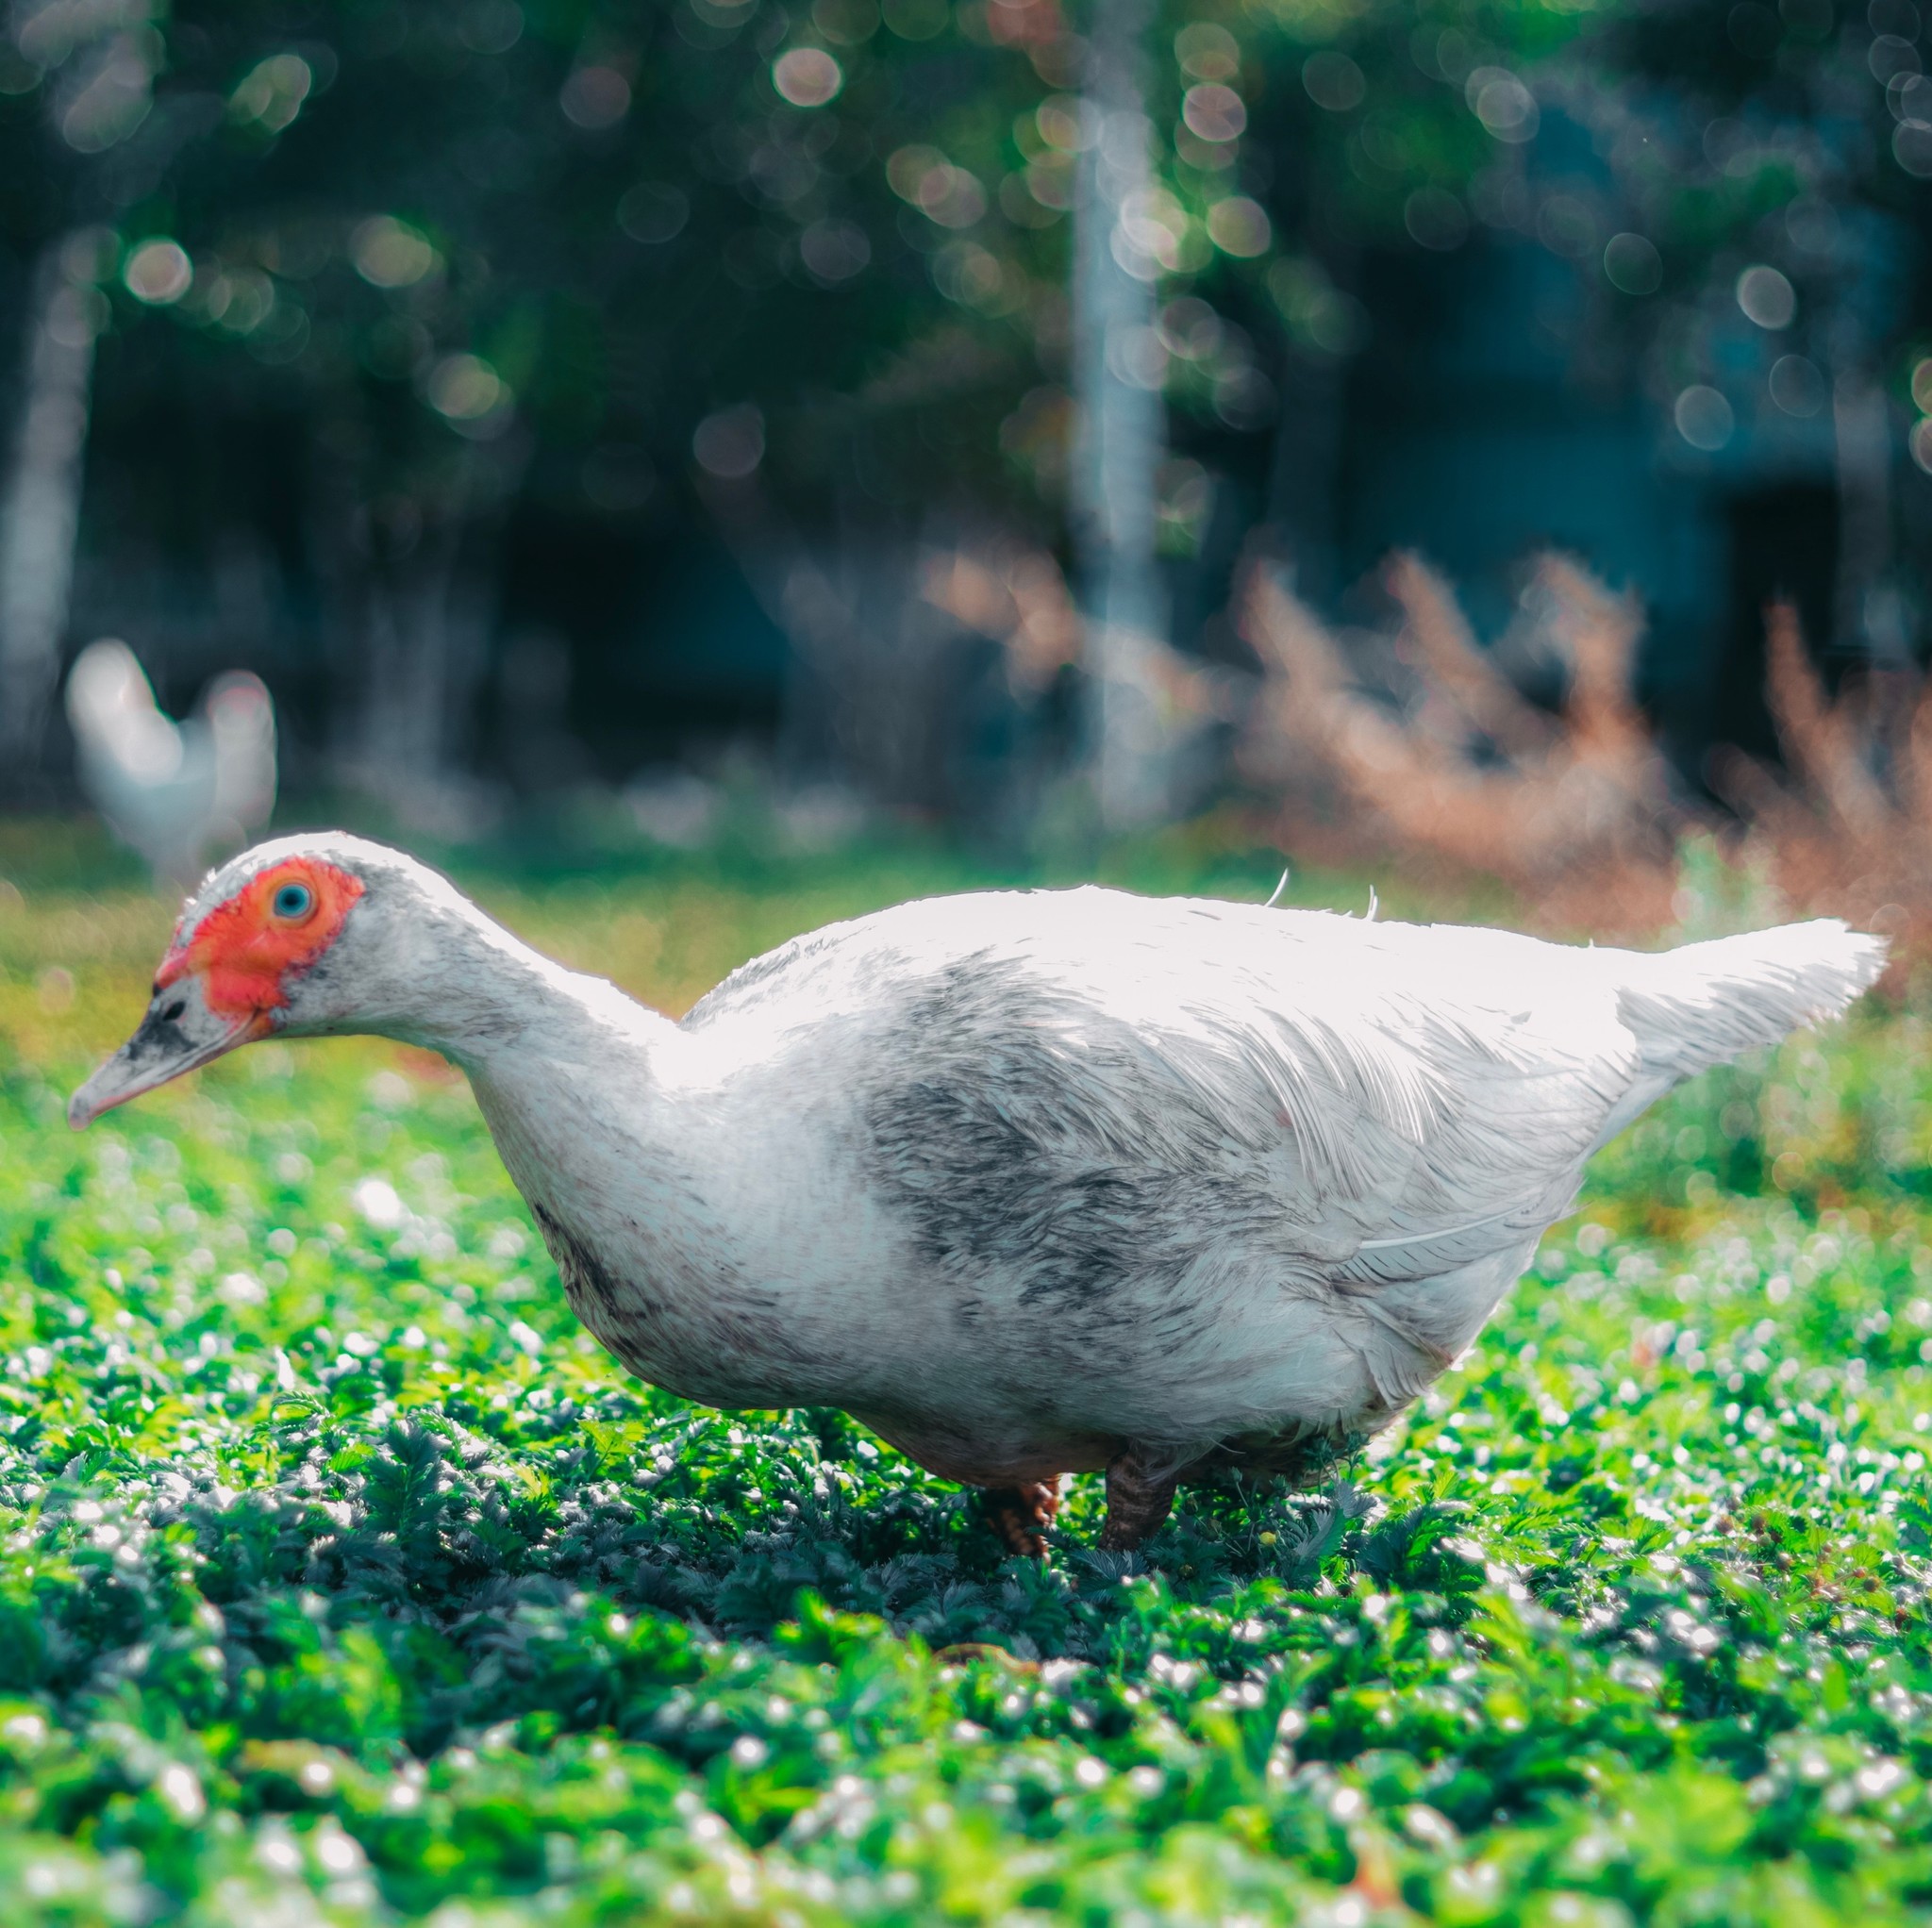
[1706,1004]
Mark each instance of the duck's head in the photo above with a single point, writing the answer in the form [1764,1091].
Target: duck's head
[292,938]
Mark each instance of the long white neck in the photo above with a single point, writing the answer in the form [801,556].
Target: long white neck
[434,971]
[566,1069]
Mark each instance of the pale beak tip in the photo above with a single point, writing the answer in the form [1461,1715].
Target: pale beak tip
[80,1114]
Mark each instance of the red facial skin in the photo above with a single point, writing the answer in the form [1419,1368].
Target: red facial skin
[245,954]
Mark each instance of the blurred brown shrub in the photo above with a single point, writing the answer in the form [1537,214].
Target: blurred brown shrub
[1845,828]
[1572,808]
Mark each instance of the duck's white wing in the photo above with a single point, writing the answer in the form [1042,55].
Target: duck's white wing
[1391,1092]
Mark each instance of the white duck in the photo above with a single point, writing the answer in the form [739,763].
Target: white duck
[1030,1182]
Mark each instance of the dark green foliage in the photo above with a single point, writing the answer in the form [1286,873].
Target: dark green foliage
[341,1579]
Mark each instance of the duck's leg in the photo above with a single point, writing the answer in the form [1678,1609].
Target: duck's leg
[1020,1515]
[1138,1500]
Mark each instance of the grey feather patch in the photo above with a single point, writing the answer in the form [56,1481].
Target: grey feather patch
[991,1136]
[595,1292]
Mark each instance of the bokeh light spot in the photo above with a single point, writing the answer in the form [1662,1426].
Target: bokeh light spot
[1333,81]
[388,253]
[238,299]
[595,98]
[1318,315]
[1766,297]
[950,195]
[807,76]
[1190,327]
[469,394]
[1909,97]
[1633,264]
[730,444]
[1240,227]
[1704,418]
[1137,356]
[1244,397]
[908,166]
[491,27]
[1150,235]
[114,94]
[272,94]
[1796,384]
[1812,226]
[1566,227]
[849,22]
[158,272]
[968,274]
[1214,113]
[1502,104]
[1208,52]
[1911,147]
[917,20]
[834,251]
[1063,123]
[1891,55]
[1027,205]
[1752,29]
[653,214]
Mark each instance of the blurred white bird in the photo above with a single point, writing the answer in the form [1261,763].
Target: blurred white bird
[172,791]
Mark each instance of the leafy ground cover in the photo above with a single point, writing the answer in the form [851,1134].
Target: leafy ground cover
[342,1580]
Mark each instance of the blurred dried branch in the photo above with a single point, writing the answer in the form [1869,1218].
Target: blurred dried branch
[1846,826]
[1013,592]
[1572,808]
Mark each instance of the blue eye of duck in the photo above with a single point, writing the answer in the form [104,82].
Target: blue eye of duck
[293,901]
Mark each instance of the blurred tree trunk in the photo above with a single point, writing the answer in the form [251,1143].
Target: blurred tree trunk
[404,724]
[1302,475]
[1120,426]
[847,601]
[1868,616]
[40,504]
[412,593]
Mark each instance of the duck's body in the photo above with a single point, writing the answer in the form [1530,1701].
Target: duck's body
[1045,1182]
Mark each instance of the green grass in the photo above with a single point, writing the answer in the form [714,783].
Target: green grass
[343,1579]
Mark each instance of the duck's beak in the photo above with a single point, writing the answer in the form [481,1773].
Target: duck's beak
[178,1034]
